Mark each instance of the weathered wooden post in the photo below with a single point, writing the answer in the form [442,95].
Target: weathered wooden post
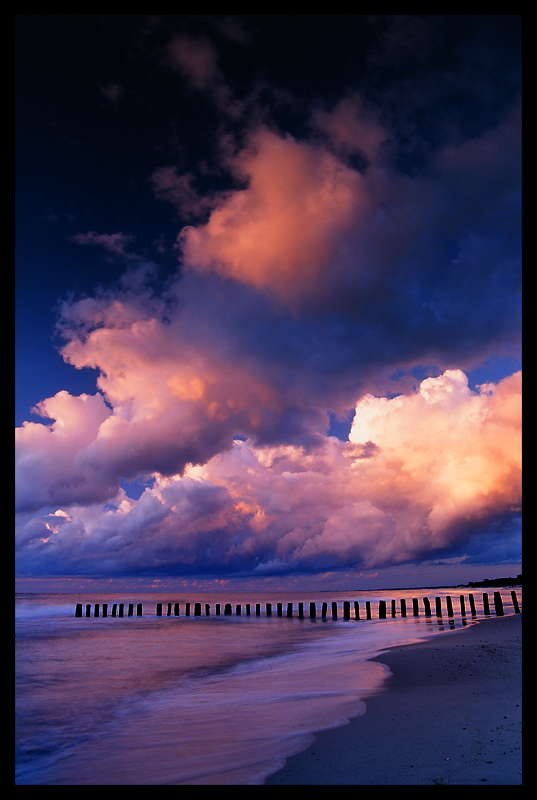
[105,609]
[449,606]
[415,607]
[346,609]
[324,610]
[427,606]
[438,603]
[269,609]
[247,609]
[289,609]
[367,609]
[176,610]
[78,610]
[403,607]
[227,609]
[463,606]
[486,606]
[313,611]
[334,609]
[96,614]
[131,609]
[197,609]
[301,610]
[169,611]
[238,609]
[515,602]
[258,609]
[498,604]
[114,609]
[382,609]
[88,610]
[279,609]
[472,605]
[217,609]
[159,609]
[187,609]
[207,610]
[394,610]
[356,610]
[121,607]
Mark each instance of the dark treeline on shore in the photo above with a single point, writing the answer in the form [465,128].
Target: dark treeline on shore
[498,581]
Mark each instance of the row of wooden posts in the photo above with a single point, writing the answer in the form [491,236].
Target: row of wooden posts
[118,609]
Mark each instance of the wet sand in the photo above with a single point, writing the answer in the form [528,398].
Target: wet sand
[451,714]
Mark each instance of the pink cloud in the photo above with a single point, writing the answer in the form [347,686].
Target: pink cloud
[446,460]
[280,234]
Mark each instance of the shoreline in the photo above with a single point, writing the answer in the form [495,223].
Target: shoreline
[449,715]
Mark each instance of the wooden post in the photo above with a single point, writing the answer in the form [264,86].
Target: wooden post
[313,611]
[114,609]
[394,612]
[449,606]
[515,602]
[438,602]
[382,609]
[279,609]
[227,609]
[486,606]
[403,607]
[356,610]
[301,610]
[269,609]
[88,610]
[207,610]
[427,606]
[367,609]
[346,610]
[159,609]
[258,609]
[169,612]
[121,607]
[289,609]
[247,609]
[105,609]
[197,609]
[131,609]
[176,610]
[324,610]
[78,610]
[498,605]
[334,610]
[415,607]
[463,606]
[238,611]
[96,613]
[187,609]
[472,605]
[217,609]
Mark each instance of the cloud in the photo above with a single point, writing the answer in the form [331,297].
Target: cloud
[445,468]
[115,243]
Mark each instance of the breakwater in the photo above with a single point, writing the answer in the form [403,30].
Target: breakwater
[346,610]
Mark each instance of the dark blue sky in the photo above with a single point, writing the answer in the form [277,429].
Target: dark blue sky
[312,208]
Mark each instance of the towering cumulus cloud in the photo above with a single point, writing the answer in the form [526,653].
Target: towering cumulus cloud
[314,283]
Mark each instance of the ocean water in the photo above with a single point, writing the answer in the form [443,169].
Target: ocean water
[194,700]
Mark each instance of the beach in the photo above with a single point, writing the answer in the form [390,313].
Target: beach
[449,715]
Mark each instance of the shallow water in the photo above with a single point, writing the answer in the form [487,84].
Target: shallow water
[199,699]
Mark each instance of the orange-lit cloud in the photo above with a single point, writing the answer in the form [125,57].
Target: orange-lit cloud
[419,476]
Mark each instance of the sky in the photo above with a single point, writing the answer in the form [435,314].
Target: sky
[268,324]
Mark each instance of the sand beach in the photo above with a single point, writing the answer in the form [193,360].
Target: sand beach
[451,714]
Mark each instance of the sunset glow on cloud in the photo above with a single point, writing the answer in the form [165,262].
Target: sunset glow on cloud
[320,281]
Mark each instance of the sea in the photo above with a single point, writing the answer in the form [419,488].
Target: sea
[203,699]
